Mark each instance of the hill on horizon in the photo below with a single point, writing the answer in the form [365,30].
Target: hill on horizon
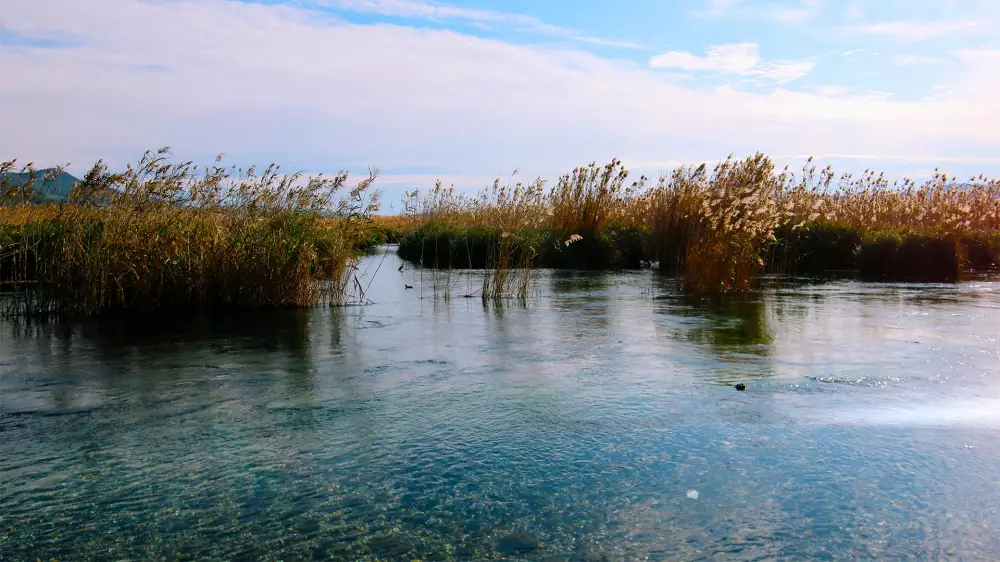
[46,190]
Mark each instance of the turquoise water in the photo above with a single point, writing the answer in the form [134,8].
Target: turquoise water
[599,417]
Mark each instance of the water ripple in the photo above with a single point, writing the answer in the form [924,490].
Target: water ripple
[414,430]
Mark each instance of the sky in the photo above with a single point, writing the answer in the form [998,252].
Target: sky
[468,91]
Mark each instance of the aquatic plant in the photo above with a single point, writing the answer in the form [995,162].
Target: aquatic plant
[719,229]
[714,228]
[162,235]
[493,231]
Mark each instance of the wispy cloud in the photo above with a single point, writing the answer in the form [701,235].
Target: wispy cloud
[918,60]
[742,59]
[920,30]
[886,157]
[720,8]
[439,11]
[798,12]
[989,58]
[786,11]
[831,91]
[834,91]
[328,93]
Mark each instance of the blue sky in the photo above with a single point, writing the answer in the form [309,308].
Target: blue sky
[465,91]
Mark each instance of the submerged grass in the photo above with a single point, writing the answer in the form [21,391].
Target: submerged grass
[718,229]
[163,235]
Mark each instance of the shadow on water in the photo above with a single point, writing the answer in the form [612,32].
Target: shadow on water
[263,330]
[734,329]
[569,282]
[585,297]
[190,360]
[508,331]
[258,331]
[731,323]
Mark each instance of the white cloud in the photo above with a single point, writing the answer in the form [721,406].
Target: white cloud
[802,11]
[920,30]
[831,91]
[438,11]
[854,12]
[983,59]
[742,59]
[785,71]
[918,60]
[900,158]
[784,11]
[855,94]
[261,82]
[721,8]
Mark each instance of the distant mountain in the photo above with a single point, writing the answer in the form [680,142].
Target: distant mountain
[46,190]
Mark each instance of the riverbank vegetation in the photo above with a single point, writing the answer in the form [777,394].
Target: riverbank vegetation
[164,235]
[167,235]
[718,229]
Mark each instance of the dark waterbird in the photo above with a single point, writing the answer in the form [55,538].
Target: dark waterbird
[408,286]
[400,268]
[740,386]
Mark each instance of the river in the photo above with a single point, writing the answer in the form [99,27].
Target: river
[598,417]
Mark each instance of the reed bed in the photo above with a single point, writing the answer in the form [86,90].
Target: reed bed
[494,231]
[163,235]
[719,229]
[390,229]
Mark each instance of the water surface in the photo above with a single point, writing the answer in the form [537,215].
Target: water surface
[598,416]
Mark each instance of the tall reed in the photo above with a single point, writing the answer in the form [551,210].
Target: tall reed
[721,228]
[493,230]
[161,235]
[715,227]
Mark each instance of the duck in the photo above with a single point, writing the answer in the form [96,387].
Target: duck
[408,286]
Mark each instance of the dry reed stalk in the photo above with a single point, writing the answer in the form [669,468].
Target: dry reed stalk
[714,227]
[160,236]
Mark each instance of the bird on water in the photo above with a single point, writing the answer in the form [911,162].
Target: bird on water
[408,286]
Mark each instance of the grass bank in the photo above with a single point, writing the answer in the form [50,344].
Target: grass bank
[719,229]
[165,235]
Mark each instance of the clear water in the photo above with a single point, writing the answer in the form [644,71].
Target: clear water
[598,417]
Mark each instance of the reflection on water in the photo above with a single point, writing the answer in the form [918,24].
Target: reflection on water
[418,428]
[732,323]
